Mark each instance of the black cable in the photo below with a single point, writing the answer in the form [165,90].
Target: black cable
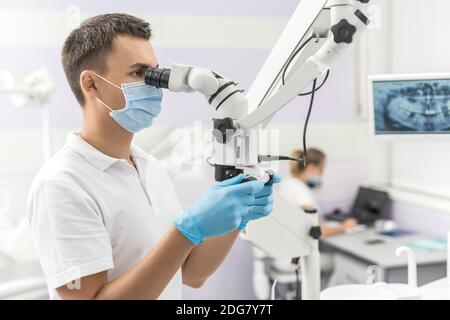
[283,76]
[312,93]
[311,103]
[296,262]
[319,87]
[263,158]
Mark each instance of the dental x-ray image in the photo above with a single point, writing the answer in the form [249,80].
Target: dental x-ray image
[412,107]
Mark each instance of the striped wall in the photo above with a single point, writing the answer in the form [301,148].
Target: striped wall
[232,37]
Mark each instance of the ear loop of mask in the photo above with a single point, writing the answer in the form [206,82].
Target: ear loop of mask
[112,110]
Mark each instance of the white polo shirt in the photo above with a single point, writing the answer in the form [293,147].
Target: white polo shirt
[90,212]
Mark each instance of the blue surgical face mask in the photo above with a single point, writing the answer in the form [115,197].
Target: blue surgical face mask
[143,104]
[314,182]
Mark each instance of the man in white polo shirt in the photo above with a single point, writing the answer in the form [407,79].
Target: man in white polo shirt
[104,214]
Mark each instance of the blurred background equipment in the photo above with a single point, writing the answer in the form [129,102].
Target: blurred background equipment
[370,205]
[20,273]
[33,90]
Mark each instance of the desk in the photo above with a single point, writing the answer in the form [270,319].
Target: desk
[353,255]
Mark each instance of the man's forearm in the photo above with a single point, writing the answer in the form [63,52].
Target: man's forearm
[204,260]
[151,275]
[328,231]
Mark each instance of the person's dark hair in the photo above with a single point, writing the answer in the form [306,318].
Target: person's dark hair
[87,46]
[313,157]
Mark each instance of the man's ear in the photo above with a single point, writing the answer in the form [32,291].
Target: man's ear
[87,83]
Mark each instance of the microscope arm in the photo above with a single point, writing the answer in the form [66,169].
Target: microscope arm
[347,25]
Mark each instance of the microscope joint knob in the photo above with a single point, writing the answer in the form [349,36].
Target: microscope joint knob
[343,31]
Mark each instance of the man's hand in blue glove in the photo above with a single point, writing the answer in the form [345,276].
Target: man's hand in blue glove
[262,205]
[221,209]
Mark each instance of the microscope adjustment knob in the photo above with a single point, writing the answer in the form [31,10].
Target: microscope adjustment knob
[343,31]
[223,130]
[315,232]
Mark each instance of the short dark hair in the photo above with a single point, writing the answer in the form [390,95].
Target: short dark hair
[87,46]
[313,156]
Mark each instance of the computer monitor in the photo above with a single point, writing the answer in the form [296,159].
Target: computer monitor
[371,205]
[410,106]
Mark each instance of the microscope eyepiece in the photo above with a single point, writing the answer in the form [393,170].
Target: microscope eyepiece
[157,77]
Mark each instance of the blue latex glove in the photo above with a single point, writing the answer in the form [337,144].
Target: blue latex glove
[220,209]
[262,205]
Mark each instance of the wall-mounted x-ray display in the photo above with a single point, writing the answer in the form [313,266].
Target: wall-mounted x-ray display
[410,106]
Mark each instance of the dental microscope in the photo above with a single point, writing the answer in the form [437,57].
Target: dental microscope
[318,32]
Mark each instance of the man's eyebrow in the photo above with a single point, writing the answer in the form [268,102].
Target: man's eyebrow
[140,65]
